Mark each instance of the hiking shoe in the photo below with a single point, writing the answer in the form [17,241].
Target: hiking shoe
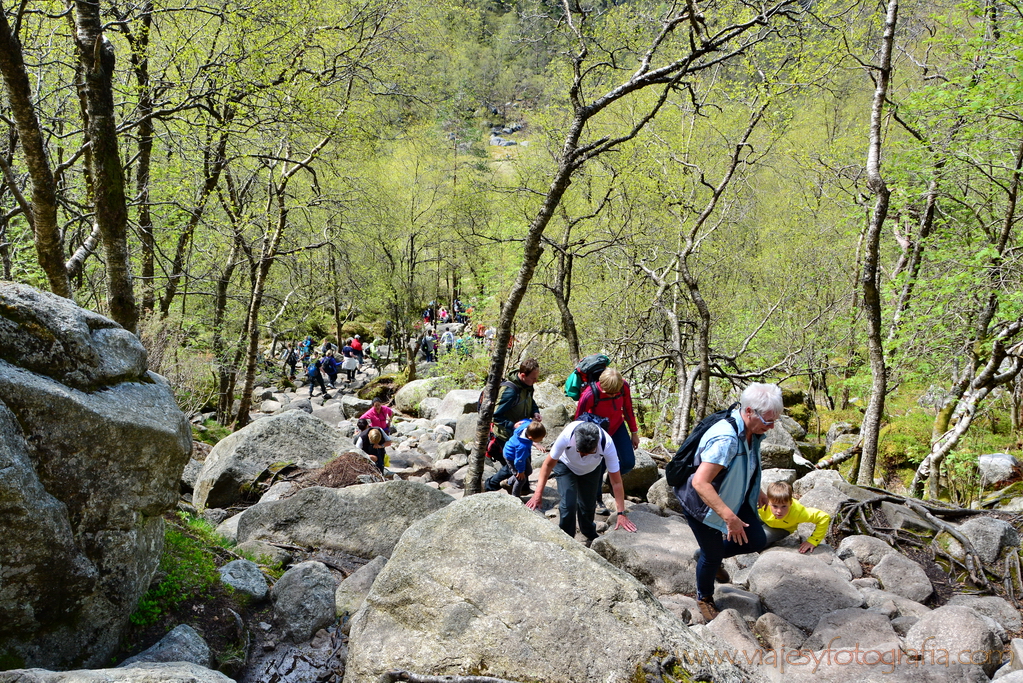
[708,609]
[722,575]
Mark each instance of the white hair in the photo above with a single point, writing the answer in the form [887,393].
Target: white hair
[763,398]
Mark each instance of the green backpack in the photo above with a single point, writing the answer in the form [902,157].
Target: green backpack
[586,370]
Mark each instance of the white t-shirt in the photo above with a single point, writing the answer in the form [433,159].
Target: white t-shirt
[350,363]
[564,451]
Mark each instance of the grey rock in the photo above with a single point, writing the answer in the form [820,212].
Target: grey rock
[778,633]
[731,627]
[261,394]
[815,478]
[281,489]
[855,568]
[1010,676]
[304,601]
[458,402]
[739,567]
[228,529]
[994,607]
[794,429]
[902,517]
[746,604]
[466,427]
[214,516]
[264,553]
[555,417]
[661,494]
[244,576]
[777,456]
[769,476]
[800,588]
[452,448]
[142,672]
[1016,654]
[853,628]
[408,398]
[547,394]
[866,549]
[903,624]
[84,494]
[303,404]
[351,592]
[364,520]
[639,480]
[239,458]
[900,575]
[989,536]
[875,598]
[836,430]
[997,468]
[956,629]
[428,407]
[661,553]
[270,406]
[354,407]
[332,414]
[562,636]
[182,644]
[190,474]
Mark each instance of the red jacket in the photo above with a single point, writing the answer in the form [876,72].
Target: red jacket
[356,345]
[616,410]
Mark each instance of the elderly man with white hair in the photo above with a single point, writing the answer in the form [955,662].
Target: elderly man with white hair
[575,460]
[721,497]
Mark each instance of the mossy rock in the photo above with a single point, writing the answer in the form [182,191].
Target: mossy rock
[801,414]
[382,387]
[793,397]
[368,331]
[813,452]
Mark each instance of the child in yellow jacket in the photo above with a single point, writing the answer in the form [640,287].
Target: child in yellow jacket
[782,515]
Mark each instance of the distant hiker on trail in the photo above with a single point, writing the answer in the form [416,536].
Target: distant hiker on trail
[327,345]
[513,405]
[290,358]
[306,347]
[721,498]
[442,315]
[330,366]
[447,341]
[316,379]
[356,345]
[350,364]
[428,345]
[379,415]
[575,461]
[782,516]
[613,402]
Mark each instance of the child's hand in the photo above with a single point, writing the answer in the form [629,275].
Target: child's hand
[806,547]
[521,476]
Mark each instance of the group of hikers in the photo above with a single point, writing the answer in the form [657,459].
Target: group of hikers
[721,497]
[325,359]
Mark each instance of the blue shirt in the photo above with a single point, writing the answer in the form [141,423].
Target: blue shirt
[518,450]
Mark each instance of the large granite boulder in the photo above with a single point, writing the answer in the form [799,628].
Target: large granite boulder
[92,448]
[407,398]
[484,585]
[293,436]
[958,629]
[457,403]
[303,601]
[548,394]
[661,553]
[365,520]
[800,588]
[639,480]
[148,672]
[998,468]
[182,644]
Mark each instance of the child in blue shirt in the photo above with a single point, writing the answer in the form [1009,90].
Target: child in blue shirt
[518,454]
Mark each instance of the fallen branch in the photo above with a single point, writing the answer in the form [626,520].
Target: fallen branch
[837,458]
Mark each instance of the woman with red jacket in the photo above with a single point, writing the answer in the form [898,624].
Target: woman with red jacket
[614,403]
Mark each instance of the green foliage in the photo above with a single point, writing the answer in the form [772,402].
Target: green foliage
[906,439]
[187,570]
[212,432]
[10,660]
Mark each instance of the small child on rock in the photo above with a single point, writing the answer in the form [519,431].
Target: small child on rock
[782,515]
[518,454]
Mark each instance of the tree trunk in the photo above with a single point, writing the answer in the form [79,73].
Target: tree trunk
[42,215]
[96,56]
[869,278]
[562,292]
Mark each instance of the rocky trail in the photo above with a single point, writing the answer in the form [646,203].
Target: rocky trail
[360,577]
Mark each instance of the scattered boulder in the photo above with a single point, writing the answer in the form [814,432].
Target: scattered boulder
[446,603]
[900,575]
[830,498]
[264,553]
[956,629]
[815,478]
[883,601]
[547,394]
[778,633]
[364,520]
[182,644]
[429,406]
[800,588]
[840,429]
[332,414]
[408,398]
[988,536]
[351,592]
[662,495]
[746,604]
[769,476]
[731,627]
[997,469]
[354,407]
[994,607]
[304,601]
[866,549]
[228,529]
[142,672]
[452,448]
[92,448]
[240,457]
[661,553]
[556,416]
[853,628]
[457,403]
[902,517]
[777,456]
[244,576]
[465,429]
[303,404]
[639,480]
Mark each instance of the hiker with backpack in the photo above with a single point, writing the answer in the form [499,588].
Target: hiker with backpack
[514,404]
[290,358]
[721,496]
[575,460]
[608,404]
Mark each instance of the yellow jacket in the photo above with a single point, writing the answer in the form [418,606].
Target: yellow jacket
[796,516]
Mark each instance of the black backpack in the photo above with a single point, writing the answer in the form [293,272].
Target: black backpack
[685,462]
